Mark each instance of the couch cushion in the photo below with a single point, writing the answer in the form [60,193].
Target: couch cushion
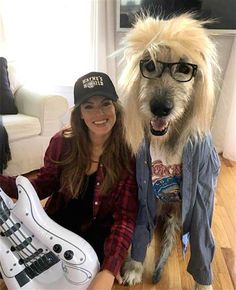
[7,103]
[21,126]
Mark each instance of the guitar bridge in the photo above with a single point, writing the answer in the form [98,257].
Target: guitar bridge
[36,268]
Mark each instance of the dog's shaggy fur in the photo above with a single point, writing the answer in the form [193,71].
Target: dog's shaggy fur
[186,106]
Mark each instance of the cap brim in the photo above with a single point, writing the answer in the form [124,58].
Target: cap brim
[97,93]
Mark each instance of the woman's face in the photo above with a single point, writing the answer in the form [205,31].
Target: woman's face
[99,115]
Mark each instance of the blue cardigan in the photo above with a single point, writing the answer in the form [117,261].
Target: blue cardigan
[200,168]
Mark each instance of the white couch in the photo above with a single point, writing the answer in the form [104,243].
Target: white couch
[39,118]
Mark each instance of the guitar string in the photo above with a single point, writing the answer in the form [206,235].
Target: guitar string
[23,250]
[38,260]
[40,255]
[35,259]
[9,227]
[46,249]
[6,224]
[13,234]
[20,253]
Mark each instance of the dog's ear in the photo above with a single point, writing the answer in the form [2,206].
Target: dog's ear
[203,96]
[129,82]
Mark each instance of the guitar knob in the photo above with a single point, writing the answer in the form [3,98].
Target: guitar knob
[57,248]
[68,255]
[21,261]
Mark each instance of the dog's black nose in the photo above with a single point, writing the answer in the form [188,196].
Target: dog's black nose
[162,107]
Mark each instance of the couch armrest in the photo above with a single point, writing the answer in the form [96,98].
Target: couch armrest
[49,108]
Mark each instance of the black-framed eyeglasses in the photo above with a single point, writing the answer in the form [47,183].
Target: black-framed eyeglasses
[179,71]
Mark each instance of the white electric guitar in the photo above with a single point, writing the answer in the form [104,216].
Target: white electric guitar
[37,253]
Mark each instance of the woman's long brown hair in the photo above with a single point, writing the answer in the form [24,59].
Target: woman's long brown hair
[116,157]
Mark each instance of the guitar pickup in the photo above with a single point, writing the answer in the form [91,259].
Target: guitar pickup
[24,244]
[12,230]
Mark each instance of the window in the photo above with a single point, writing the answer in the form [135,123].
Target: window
[49,39]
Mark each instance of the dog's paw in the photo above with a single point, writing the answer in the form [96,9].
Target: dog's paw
[202,287]
[132,272]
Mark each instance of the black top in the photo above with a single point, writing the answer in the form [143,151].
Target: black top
[79,210]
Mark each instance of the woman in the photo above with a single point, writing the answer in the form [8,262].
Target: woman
[89,176]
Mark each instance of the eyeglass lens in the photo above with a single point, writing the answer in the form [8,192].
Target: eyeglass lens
[179,71]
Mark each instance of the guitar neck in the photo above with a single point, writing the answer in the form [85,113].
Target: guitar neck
[28,257]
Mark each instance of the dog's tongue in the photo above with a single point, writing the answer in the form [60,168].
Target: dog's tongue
[159,124]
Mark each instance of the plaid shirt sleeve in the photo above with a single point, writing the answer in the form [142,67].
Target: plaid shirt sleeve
[117,243]
[8,185]
[47,180]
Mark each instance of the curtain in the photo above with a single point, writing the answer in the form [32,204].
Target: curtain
[224,122]
[103,36]
[3,48]
[48,39]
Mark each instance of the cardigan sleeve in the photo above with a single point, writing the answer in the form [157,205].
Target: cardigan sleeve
[147,212]
[117,243]
[202,244]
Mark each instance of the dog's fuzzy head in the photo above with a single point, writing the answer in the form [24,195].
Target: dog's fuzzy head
[163,105]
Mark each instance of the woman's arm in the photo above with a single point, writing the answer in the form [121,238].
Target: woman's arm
[47,180]
[8,185]
[125,212]
[104,280]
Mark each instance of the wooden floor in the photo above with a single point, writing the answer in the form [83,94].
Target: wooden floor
[175,276]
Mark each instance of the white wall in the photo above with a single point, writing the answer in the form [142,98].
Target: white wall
[224,44]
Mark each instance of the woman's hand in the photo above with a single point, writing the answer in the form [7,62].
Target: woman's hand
[103,281]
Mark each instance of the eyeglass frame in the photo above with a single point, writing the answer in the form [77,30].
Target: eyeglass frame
[168,65]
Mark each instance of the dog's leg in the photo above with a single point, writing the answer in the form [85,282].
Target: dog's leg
[202,287]
[171,226]
[132,272]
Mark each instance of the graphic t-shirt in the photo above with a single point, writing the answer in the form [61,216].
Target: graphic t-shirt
[166,181]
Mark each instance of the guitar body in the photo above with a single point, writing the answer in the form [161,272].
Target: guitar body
[35,252]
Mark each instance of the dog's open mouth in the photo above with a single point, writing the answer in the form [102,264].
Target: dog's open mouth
[159,126]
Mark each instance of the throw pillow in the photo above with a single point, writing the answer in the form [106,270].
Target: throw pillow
[5,152]
[7,103]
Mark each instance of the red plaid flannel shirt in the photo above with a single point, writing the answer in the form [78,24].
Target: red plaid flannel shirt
[122,201]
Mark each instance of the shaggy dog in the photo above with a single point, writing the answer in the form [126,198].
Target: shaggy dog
[167,89]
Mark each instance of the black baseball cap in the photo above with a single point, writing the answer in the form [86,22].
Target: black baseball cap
[94,84]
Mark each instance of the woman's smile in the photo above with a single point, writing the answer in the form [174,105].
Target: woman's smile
[101,122]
